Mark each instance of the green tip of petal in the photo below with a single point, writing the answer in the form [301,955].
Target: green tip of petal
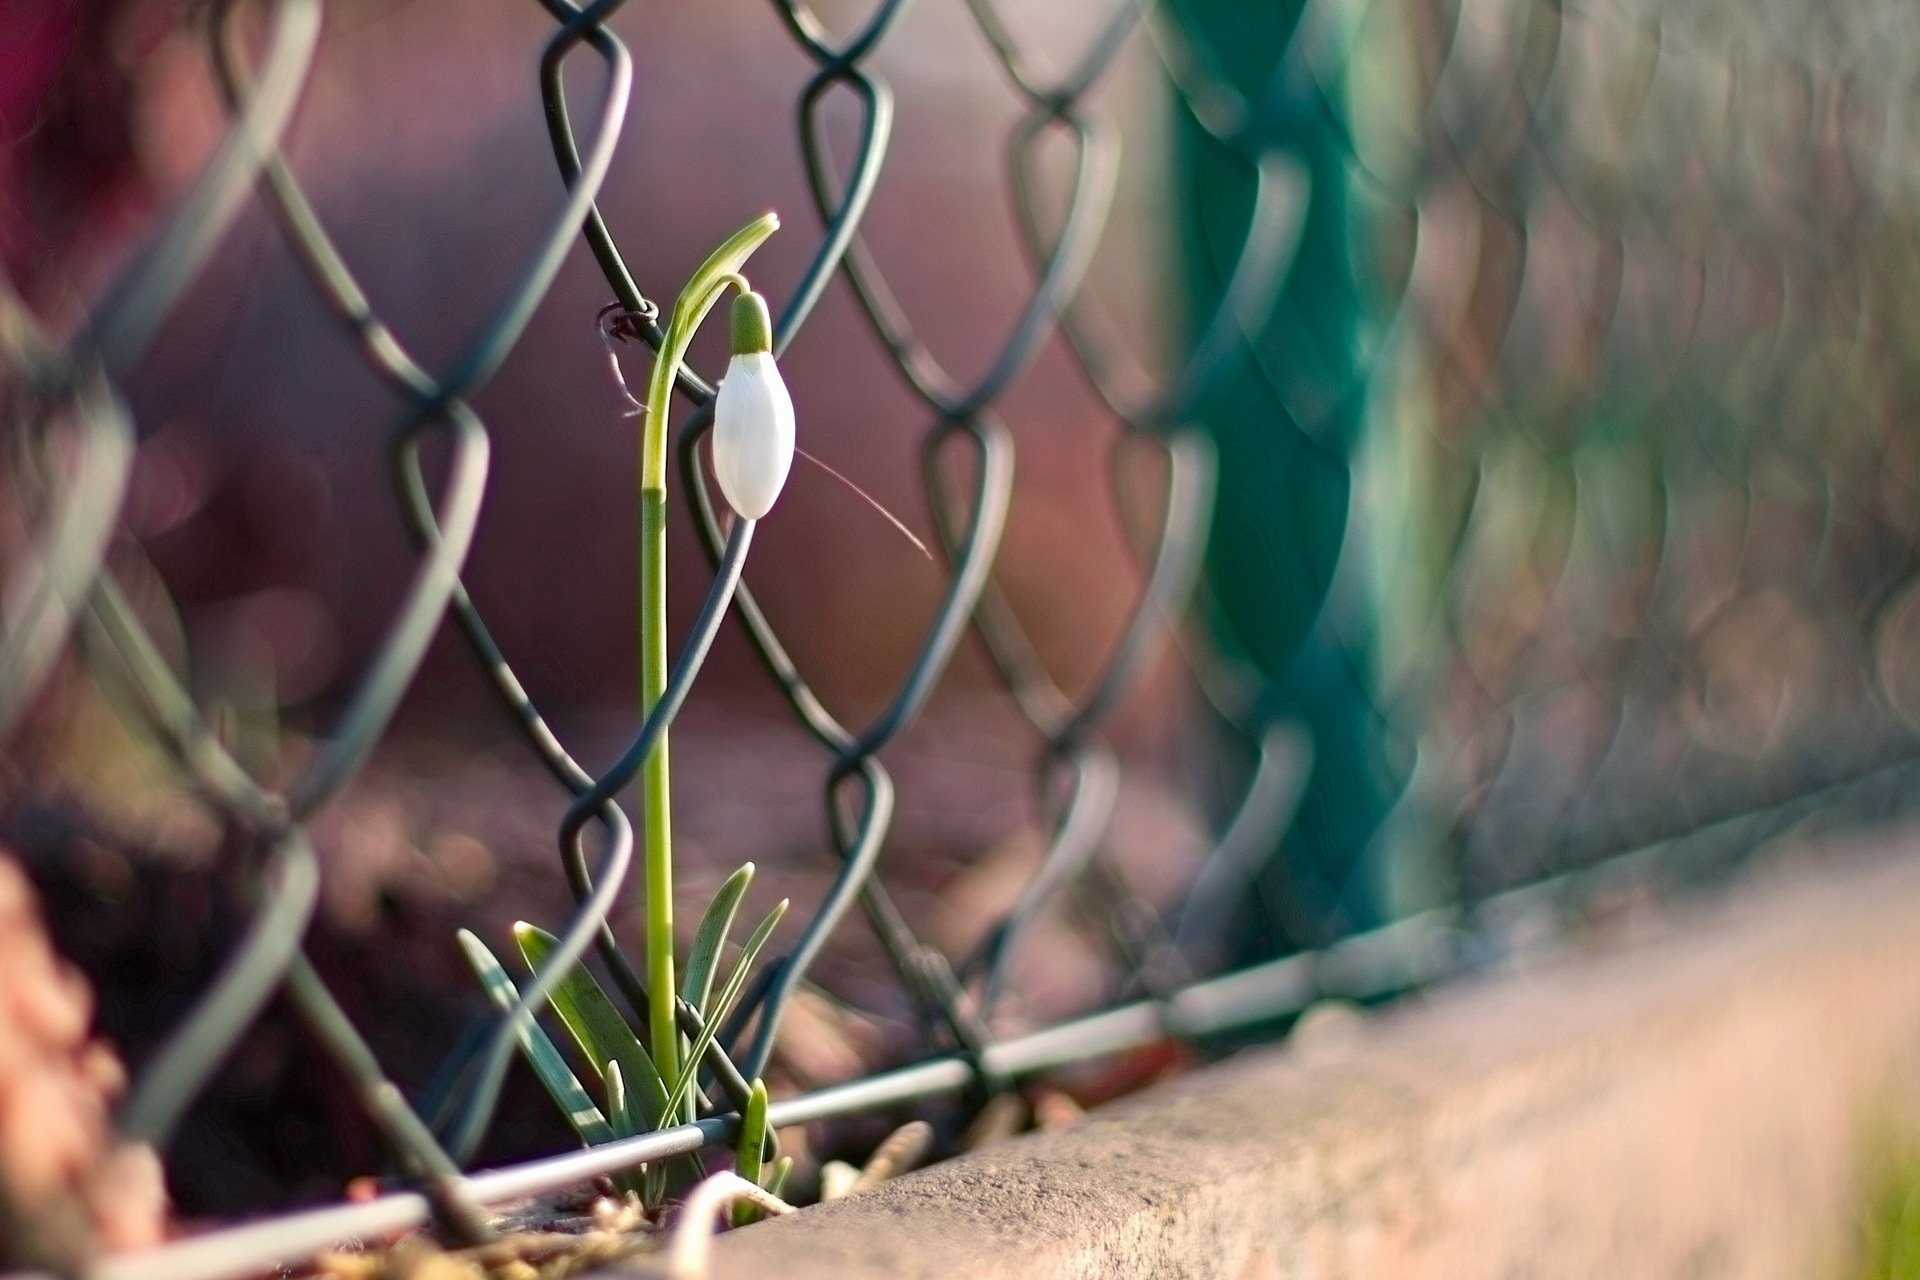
[752,325]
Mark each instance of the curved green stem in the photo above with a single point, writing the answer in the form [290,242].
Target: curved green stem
[720,270]
[703,290]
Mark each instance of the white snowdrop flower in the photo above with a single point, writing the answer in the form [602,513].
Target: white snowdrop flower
[752,415]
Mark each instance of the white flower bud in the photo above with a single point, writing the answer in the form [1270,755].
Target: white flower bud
[752,417]
[752,434]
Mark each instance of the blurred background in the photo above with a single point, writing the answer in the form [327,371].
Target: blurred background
[1551,359]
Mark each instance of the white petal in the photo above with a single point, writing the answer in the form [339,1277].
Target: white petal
[752,434]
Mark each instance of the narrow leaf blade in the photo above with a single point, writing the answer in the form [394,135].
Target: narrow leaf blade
[777,1177]
[619,1114]
[622,1118]
[703,960]
[753,1134]
[593,1022]
[742,967]
[541,1053]
[729,994]
[751,1151]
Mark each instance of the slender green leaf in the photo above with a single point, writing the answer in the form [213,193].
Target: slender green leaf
[753,1134]
[752,1148]
[777,1176]
[749,952]
[541,1053]
[593,1022]
[729,995]
[619,1114]
[703,961]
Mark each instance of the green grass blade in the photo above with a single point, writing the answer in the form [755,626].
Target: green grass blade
[622,1119]
[749,952]
[729,995]
[595,1025]
[777,1178]
[752,1149]
[541,1053]
[619,1114]
[703,961]
[753,1134]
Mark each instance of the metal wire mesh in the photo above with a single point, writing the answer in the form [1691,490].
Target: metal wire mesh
[1666,570]
[1628,556]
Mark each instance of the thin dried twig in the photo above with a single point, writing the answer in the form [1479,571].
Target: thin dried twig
[904,1148]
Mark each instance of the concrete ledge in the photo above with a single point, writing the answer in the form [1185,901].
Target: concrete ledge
[1691,1104]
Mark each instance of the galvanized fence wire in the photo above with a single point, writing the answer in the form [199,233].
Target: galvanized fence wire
[1562,143]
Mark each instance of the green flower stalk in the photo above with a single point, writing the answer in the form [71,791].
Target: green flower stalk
[657,1082]
[702,292]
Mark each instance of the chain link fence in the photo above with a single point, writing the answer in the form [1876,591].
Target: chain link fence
[1534,453]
